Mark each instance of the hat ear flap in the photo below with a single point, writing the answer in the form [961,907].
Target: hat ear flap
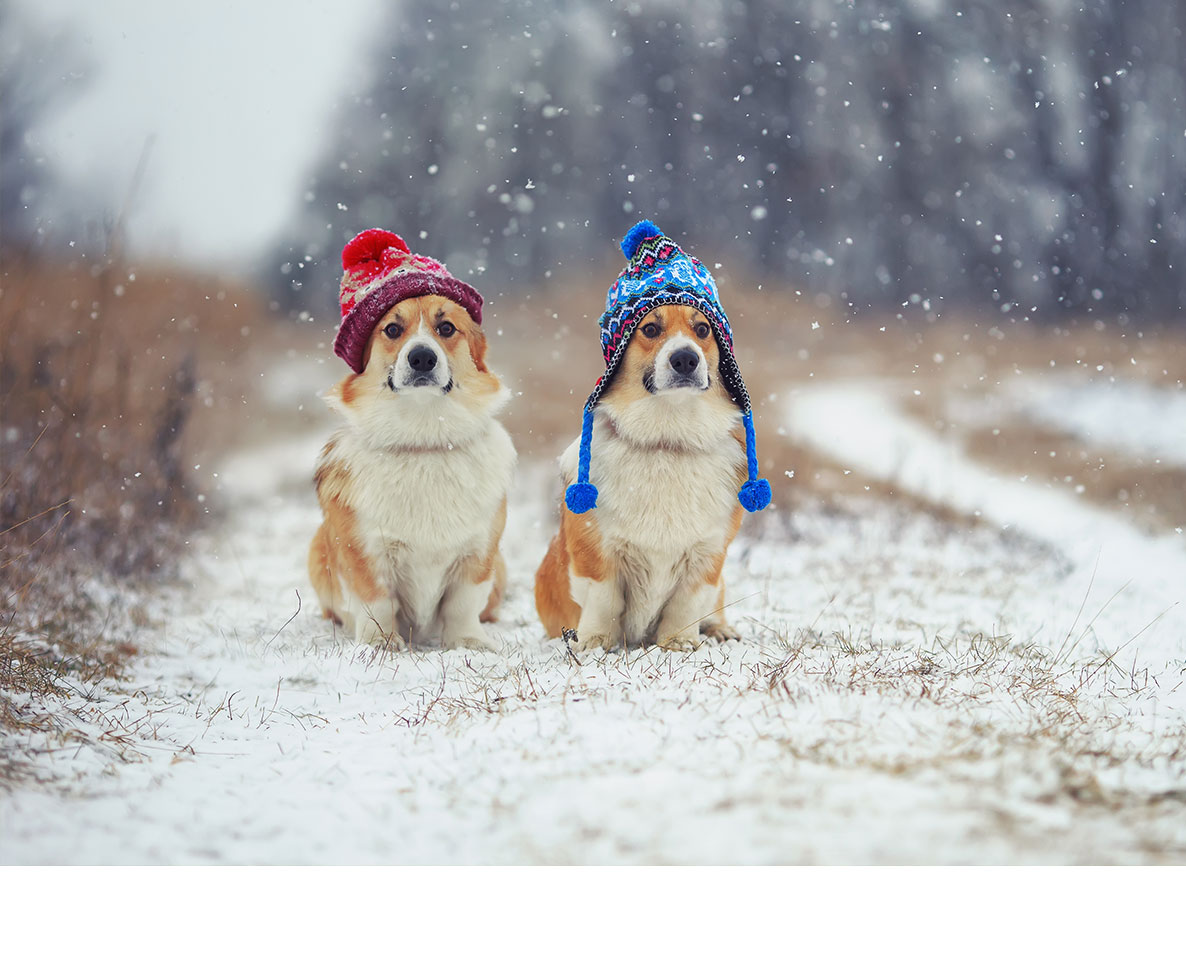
[581,495]
[755,494]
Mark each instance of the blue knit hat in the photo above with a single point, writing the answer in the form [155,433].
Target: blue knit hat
[659,273]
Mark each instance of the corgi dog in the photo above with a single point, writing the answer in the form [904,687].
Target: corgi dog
[669,433]
[414,487]
[646,565]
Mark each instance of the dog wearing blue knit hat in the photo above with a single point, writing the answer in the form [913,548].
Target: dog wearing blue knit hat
[664,467]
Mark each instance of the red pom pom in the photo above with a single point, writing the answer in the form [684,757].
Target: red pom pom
[370,244]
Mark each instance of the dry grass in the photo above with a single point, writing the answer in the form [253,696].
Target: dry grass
[109,374]
[950,368]
[47,679]
[1153,495]
[967,703]
[104,368]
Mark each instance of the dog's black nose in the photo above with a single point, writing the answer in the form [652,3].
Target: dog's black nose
[685,361]
[422,359]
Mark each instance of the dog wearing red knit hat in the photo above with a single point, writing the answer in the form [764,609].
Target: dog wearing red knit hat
[414,486]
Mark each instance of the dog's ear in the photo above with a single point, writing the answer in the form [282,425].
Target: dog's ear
[477,347]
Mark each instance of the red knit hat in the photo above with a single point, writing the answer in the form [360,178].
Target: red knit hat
[380,271]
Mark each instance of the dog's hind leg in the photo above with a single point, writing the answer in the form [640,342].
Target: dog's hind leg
[490,613]
[321,574]
[594,588]
[553,597]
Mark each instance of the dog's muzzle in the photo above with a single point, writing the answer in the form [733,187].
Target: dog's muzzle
[420,365]
[681,366]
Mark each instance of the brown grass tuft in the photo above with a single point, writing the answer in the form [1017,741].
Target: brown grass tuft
[104,367]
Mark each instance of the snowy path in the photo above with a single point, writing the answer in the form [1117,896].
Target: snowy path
[1130,580]
[877,712]
[1124,416]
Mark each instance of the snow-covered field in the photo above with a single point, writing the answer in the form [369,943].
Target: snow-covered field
[998,682]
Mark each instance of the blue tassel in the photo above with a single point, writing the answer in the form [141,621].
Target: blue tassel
[755,494]
[581,495]
[640,231]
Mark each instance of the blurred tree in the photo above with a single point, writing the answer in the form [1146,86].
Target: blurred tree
[1017,152]
[32,65]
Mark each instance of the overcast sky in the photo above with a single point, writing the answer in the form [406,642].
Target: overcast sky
[234,96]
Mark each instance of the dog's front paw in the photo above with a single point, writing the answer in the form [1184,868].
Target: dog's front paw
[385,641]
[596,641]
[469,641]
[720,631]
[680,642]
[371,633]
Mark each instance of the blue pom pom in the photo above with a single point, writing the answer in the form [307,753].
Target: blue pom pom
[582,496]
[754,495]
[633,239]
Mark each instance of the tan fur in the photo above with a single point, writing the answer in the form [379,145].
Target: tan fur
[337,560]
[650,556]
[348,389]
[413,488]
[492,566]
[553,601]
[497,591]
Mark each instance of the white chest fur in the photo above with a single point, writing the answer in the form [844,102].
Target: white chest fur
[663,513]
[421,512]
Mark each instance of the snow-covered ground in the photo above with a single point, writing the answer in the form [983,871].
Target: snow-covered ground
[1131,580]
[1127,417]
[911,688]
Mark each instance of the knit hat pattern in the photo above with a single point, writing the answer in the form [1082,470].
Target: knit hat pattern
[380,271]
[659,273]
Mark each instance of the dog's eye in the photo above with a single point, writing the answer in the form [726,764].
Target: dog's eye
[446,329]
[702,331]
[393,330]
[651,330]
